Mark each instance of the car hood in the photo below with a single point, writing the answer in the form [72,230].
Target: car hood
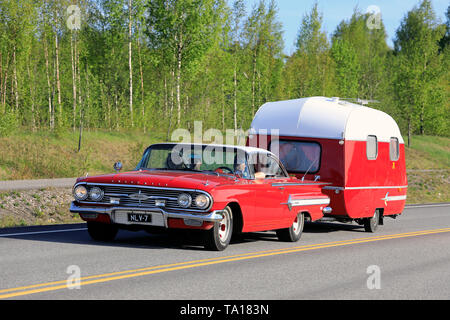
[166,179]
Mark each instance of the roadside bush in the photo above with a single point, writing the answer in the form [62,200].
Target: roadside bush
[8,124]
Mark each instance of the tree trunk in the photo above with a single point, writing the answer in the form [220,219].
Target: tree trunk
[223,107]
[4,91]
[253,83]
[16,86]
[142,86]
[422,120]
[58,82]
[166,102]
[116,102]
[178,84]
[33,116]
[78,73]
[172,73]
[88,99]
[130,62]
[235,99]
[80,136]
[74,83]
[1,81]
[51,114]
[409,132]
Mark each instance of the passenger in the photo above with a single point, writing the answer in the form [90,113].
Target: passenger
[259,169]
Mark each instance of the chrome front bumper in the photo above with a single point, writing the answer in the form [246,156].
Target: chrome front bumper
[213,216]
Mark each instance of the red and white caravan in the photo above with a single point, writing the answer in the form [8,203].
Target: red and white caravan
[357,150]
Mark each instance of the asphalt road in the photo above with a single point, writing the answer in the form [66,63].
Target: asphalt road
[10,185]
[408,258]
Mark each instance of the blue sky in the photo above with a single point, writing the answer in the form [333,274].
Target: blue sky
[290,13]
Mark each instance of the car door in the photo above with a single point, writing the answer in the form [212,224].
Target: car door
[271,211]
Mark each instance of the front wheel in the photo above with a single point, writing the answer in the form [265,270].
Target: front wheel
[371,224]
[294,232]
[218,238]
[102,231]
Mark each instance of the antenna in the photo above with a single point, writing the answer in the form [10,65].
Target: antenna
[363,102]
[366,102]
[310,166]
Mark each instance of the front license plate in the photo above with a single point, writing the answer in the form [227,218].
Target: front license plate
[139,217]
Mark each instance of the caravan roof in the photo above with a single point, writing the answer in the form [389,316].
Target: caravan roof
[322,117]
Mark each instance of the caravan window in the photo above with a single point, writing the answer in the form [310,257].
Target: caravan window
[394,153]
[372,147]
[298,156]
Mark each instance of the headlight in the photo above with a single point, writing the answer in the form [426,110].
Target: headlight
[202,201]
[184,200]
[96,194]
[80,193]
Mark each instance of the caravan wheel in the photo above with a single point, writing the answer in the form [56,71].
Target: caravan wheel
[371,224]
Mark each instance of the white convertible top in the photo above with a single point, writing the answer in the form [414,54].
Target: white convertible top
[322,117]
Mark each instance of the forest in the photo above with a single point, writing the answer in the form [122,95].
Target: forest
[158,65]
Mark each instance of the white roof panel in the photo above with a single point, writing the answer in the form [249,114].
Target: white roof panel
[321,117]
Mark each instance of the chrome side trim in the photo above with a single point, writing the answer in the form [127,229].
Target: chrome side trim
[393,198]
[284,184]
[362,188]
[333,188]
[306,202]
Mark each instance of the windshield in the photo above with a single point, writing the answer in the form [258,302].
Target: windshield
[196,158]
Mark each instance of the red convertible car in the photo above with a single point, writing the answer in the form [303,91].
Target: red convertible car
[218,189]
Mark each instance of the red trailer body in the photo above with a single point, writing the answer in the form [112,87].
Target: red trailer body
[358,150]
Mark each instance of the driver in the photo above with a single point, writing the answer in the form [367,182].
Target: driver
[196,162]
[240,167]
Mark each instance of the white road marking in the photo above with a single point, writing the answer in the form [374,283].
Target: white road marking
[40,232]
[427,206]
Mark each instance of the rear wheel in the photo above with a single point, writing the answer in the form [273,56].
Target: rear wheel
[294,232]
[371,224]
[102,231]
[218,238]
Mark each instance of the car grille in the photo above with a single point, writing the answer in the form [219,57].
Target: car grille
[123,193]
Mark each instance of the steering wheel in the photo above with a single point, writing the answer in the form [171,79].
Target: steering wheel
[220,170]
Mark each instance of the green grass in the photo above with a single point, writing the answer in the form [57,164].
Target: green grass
[26,155]
[428,169]
[428,152]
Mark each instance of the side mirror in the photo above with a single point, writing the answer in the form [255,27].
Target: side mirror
[118,166]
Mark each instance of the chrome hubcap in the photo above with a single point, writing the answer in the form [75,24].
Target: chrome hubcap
[224,226]
[297,225]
